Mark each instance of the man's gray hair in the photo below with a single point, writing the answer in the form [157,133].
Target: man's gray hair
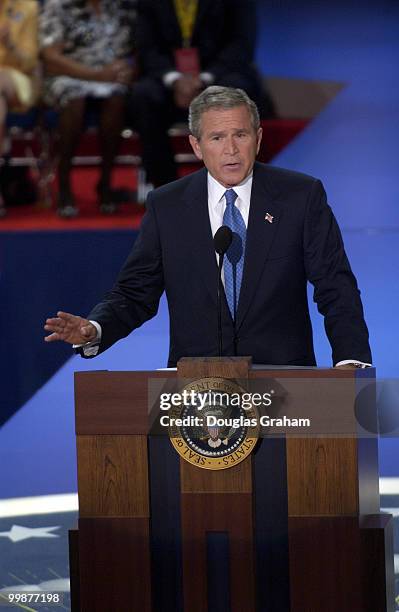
[222,98]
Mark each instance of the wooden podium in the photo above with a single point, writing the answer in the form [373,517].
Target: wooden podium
[295,527]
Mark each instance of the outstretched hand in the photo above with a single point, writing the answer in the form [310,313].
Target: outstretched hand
[69,328]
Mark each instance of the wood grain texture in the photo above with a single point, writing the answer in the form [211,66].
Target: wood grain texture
[226,512]
[325,568]
[114,559]
[118,402]
[337,563]
[327,549]
[114,402]
[237,479]
[112,476]
[224,367]
[322,476]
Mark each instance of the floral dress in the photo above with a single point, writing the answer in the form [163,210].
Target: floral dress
[89,38]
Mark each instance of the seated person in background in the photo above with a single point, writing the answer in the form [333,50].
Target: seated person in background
[87,48]
[18,61]
[184,46]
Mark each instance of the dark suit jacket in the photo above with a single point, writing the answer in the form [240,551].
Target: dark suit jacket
[224,33]
[174,252]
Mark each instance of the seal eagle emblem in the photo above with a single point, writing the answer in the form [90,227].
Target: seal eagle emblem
[214,430]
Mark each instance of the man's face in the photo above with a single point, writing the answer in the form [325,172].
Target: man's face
[228,144]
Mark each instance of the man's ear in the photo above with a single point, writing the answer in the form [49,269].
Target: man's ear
[195,146]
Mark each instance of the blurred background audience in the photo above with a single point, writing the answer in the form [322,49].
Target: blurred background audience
[87,50]
[123,62]
[18,64]
[184,46]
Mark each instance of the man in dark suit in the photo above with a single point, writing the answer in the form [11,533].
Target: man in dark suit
[184,46]
[286,233]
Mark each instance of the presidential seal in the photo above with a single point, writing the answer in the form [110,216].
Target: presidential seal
[211,429]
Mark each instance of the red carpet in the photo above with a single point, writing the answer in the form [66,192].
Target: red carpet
[36,217]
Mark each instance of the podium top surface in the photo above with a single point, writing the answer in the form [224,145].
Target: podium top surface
[120,402]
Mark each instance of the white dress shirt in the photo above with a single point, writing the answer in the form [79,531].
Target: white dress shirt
[217,201]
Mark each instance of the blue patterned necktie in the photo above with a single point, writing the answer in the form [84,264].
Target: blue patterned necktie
[234,261]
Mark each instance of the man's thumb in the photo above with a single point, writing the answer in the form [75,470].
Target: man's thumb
[85,331]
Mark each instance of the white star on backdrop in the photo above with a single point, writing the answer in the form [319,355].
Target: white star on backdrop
[18,533]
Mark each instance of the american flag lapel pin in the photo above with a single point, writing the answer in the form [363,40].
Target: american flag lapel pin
[269,217]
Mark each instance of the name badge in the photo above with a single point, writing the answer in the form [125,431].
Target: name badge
[187,61]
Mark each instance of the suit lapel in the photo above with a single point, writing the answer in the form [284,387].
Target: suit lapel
[201,12]
[260,235]
[199,233]
[171,21]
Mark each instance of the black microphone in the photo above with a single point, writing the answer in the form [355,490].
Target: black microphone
[221,240]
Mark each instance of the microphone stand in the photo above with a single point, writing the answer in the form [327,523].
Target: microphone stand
[235,303]
[219,296]
[222,240]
